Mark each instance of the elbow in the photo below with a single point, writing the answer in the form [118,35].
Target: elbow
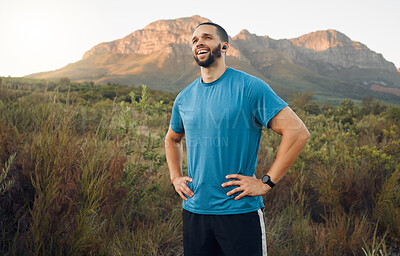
[171,140]
[304,134]
[299,135]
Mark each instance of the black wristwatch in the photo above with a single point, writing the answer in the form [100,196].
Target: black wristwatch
[267,180]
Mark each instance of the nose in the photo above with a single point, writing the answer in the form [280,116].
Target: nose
[199,43]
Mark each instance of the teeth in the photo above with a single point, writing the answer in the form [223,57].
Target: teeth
[202,51]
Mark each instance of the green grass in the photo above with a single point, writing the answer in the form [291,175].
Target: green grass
[89,175]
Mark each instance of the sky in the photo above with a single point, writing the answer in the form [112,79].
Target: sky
[44,35]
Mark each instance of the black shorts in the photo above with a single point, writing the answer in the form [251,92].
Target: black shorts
[231,235]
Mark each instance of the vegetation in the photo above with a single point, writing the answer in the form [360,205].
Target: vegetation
[83,172]
[332,86]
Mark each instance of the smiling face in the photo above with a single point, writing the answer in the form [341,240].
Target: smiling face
[206,45]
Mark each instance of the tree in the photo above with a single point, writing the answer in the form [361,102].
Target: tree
[371,106]
[65,80]
[301,99]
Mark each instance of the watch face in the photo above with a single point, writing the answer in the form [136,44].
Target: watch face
[265,178]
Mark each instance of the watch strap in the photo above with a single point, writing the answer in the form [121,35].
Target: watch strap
[266,179]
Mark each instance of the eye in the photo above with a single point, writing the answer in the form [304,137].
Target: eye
[194,41]
[208,37]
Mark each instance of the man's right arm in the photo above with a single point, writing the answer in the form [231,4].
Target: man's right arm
[174,152]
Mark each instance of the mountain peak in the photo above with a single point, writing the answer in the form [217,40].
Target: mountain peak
[181,24]
[157,36]
[160,56]
[325,39]
[244,34]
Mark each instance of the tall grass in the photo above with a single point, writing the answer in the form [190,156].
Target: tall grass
[87,177]
[84,173]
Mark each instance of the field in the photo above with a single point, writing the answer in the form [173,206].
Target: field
[83,172]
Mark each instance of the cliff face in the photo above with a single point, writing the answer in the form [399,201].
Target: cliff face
[172,37]
[263,51]
[159,56]
[336,49]
[328,48]
[157,36]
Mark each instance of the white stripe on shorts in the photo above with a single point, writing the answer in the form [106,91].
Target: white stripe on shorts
[263,234]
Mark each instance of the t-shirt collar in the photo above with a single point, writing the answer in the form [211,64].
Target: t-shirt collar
[216,81]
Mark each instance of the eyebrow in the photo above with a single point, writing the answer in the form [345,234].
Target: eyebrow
[204,34]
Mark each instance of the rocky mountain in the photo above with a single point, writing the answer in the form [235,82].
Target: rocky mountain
[327,63]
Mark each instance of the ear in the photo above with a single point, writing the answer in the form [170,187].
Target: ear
[225,47]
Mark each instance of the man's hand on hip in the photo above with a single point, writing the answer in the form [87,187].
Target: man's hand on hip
[250,186]
[182,188]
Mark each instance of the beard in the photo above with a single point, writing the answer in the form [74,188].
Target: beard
[214,54]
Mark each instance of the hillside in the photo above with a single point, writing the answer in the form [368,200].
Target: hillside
[84,172]
[327,63]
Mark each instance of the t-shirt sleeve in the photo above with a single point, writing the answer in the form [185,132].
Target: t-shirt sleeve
[264,102]
[176,119]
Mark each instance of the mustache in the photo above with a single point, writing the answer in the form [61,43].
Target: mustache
[202,46]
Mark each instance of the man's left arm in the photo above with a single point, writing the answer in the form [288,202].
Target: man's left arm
[294,137]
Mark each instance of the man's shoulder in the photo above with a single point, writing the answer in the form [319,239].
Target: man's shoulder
[253,86]
[187,89]
[246,76]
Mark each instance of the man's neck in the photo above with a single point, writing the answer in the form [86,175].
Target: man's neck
[213,72]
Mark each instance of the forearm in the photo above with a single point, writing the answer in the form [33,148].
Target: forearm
[291,145]
[174,153]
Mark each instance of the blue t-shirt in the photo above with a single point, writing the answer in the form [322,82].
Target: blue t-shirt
[222,122]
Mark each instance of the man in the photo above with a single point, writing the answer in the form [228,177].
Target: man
[221,114]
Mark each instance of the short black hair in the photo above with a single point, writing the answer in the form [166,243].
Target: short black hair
[220,31]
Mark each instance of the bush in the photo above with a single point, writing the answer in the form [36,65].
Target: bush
[84,173]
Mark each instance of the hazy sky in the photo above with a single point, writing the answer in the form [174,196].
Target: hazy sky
[43,35]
